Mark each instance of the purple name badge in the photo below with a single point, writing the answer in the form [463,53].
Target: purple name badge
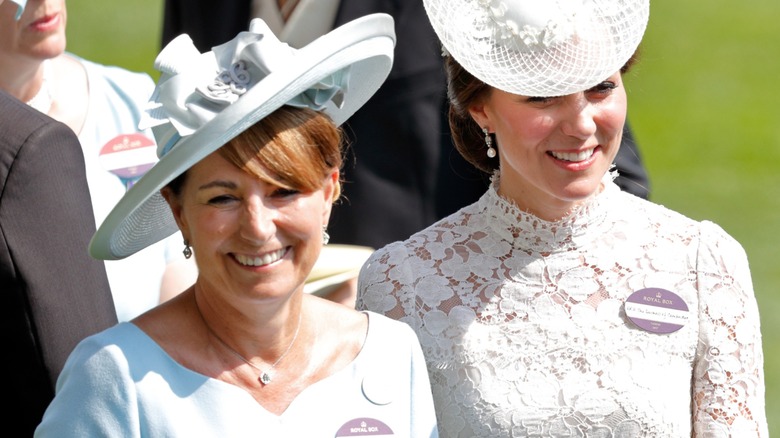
[128,156]
[657,310]
[364,427]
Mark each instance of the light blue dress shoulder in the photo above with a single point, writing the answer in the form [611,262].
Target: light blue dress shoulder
[120,383]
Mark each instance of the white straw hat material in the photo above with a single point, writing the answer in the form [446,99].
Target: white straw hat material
[202,101]
[540,48]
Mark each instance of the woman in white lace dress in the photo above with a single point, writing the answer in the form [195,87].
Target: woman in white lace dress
[558,305]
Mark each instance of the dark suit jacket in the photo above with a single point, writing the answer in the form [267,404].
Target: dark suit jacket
[402,172]
[53,293]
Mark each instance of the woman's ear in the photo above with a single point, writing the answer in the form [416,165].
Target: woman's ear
[176,208]
[478,113]
[331,191]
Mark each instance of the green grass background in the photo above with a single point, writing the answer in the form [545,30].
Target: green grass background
[704,101]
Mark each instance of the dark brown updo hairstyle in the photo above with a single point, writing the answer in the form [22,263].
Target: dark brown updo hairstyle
[293,148]
[465,91]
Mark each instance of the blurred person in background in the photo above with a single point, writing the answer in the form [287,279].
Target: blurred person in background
[102,105]
[54,294]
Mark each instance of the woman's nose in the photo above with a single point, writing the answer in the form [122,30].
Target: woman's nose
[257,221]
[579,119]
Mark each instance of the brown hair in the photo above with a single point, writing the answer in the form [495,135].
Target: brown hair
[293,148]
[465,91]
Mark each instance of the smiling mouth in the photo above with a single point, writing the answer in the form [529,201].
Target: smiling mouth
[45,20]
[574,157]
[265,259]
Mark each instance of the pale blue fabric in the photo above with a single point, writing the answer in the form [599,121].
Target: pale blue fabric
[117,98]
[120,383]
[21,4]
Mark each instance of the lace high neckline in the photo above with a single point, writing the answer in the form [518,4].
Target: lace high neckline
[527,231]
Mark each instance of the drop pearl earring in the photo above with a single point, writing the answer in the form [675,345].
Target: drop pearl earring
[491,151]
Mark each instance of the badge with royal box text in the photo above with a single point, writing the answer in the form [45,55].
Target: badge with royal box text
[657,310]
[128,156]
[364,427]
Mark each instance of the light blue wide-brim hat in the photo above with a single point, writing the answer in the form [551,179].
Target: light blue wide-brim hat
[20,7]
[202,101]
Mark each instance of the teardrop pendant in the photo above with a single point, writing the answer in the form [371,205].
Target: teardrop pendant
[491,151]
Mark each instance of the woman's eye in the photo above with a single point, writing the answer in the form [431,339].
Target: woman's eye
[603,88]
[283,193]
[539,99]
[220,200]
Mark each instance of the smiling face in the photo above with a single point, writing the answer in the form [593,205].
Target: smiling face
[252,239]
[554,151]
[39,34]
[254,210]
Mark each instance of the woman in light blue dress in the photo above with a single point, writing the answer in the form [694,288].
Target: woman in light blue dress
[250,152]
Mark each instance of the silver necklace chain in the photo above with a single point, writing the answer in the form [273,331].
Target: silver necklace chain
[265,376]
[42,100]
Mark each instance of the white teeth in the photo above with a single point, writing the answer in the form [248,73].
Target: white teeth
[573,156]
[263,260]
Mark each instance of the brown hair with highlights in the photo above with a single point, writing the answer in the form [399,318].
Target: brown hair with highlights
[293,148]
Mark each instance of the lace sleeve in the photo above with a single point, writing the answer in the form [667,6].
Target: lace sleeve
[728,380]
[379,292]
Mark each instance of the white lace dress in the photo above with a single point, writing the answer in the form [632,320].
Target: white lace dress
[525,332]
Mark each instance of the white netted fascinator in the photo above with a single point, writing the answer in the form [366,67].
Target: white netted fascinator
[540,47]
[203,100]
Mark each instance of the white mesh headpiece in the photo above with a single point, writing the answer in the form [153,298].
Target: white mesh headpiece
[540,47]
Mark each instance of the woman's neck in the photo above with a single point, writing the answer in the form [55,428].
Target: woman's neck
[263,330]
[22,79]
[546,208]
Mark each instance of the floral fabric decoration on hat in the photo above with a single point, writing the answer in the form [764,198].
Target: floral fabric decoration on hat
[535,25]
[194,88]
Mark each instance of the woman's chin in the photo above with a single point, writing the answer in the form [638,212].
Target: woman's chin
[580,191]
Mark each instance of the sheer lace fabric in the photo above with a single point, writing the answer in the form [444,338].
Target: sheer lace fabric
[524,330]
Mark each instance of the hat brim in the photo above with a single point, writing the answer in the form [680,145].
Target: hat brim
[142,217]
